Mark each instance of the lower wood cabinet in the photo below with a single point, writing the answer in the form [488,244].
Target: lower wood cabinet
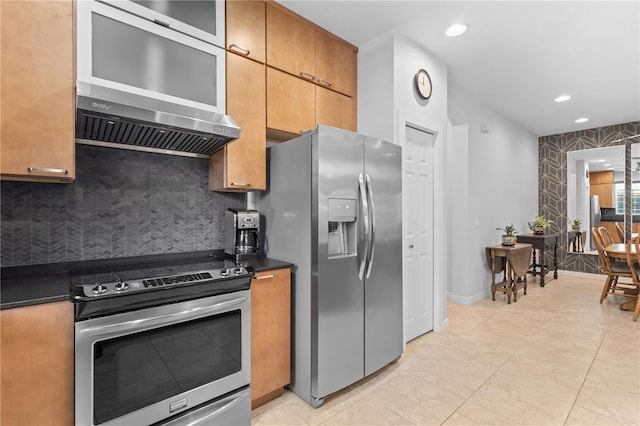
[270,334]
[37,365]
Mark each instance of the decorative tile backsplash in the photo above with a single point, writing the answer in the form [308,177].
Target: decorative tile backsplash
[122,203]
[552,181]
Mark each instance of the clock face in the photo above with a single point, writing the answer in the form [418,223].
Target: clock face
[423,84]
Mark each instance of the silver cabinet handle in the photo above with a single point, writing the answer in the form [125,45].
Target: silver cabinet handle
[307,75]
[241,184]
[372,235]
[47,170]
[159,22]
[263,277]
[325,82]
[239,49]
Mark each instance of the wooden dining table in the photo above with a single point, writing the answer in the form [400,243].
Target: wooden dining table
[618,251]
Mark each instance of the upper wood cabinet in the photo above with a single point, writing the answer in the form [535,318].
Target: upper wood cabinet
[246,29]
[241,164]
[38,100]
[290,103]
[335,64]
[290,43]
[37,366]
[335,109]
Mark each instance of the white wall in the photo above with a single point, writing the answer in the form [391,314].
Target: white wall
[387,101]
[501,187]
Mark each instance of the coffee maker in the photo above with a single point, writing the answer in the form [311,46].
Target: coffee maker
[242,234]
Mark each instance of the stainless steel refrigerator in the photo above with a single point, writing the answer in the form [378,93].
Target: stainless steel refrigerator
[334,209]
[594,217]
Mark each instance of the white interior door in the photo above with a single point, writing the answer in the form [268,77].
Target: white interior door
[418,232]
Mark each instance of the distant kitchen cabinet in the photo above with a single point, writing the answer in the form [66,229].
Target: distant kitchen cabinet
[246,29]
[37,367]
[270,334]
[602,184]
[241,164]
[37,101]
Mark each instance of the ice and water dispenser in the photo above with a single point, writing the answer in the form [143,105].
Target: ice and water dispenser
[342,227]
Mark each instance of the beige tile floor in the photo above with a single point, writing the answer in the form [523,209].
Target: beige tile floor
[556,357]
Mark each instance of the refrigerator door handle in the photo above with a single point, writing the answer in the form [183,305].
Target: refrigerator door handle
[372,224]
[363,237]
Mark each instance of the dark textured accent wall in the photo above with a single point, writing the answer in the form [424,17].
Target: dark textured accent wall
[122,203]
[552,181]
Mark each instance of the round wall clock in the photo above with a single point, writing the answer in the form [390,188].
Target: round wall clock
[423,84]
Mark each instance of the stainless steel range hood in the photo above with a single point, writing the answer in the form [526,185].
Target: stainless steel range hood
[113,118]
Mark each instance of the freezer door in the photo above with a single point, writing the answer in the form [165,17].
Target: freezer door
[337,292]
[383,282]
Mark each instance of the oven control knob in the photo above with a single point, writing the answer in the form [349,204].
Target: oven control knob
[99,289]
[121,285]
[224,272]
[238,270]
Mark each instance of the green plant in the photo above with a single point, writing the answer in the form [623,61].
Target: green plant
[540,222]
[576,222]
[508,230]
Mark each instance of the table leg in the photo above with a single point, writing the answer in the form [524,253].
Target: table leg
[508,282]
[542,271]
[493,278]
[555,260]
[535,262]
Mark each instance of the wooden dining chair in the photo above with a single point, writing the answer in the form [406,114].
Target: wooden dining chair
[606,236]
[633,261]
[613,270]
[620,231]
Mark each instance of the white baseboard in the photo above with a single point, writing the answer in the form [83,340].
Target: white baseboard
[469,300]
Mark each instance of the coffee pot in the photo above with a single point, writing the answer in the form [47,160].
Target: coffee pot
[242,234]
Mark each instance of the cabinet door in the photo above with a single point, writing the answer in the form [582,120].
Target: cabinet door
[336,63]
[246,29]
[37,365]
[290,103]
[334,109]
[270,332]
[241,164]
[290,43]
[38,104]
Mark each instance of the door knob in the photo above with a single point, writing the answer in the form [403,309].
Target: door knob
[410,245]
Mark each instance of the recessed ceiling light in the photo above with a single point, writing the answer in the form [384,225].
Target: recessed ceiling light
[582,120]
[601,161]
[562,98]
[606,165]
[456,30]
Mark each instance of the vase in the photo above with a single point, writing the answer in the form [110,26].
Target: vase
[508,240]
[538,230]
[575,227]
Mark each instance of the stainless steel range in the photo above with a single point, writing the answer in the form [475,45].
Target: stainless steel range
[163,345]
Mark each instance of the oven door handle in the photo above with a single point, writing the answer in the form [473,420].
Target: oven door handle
[160,320]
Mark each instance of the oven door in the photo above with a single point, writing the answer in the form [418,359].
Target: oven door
[144,366]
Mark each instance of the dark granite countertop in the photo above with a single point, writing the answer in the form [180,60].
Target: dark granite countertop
[46,283]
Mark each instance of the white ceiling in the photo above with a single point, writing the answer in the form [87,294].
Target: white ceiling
[516,56]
